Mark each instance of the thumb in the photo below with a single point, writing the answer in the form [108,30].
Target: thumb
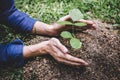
[65,18]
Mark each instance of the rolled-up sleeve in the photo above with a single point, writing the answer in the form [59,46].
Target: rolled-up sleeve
[12,54]
[12,17]
[20,21]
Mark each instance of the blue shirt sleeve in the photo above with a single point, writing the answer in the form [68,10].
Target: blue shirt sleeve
[12,54]
[12,17]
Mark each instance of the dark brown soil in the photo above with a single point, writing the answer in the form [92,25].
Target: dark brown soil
[101,49]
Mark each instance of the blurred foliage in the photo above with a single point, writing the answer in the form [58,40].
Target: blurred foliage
[52,10]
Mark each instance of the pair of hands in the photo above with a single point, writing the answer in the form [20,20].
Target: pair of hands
[53,46]
[58,50]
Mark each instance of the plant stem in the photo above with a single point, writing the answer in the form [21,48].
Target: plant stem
[73,30]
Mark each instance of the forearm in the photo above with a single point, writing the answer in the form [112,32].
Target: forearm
[12,54]
[34,50]
[51,30]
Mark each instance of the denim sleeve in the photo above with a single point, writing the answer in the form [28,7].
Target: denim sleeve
[12,17]
[21,21]
[12,54]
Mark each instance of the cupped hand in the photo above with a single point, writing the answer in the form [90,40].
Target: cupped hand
[57,28]
[57,50]
[60,53]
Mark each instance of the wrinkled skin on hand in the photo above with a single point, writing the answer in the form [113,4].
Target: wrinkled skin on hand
[60,53]
[58,28]
[57,50]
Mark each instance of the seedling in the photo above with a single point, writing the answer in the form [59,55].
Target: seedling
[75,15]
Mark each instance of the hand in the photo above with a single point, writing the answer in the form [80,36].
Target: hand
[58,51]
[55,29]
[58,28]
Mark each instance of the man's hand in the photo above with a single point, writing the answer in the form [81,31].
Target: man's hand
[55,29]
[53,47]
[58,28]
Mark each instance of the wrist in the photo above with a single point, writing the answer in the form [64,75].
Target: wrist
[39,28]
[52,30]
[43,29]
[35,50]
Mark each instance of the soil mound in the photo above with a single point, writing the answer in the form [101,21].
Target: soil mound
[101,49]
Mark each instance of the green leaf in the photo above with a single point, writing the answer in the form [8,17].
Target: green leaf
[64,23]
[75,14]
[80,24]
[116,25]
[75,43]
[66,34]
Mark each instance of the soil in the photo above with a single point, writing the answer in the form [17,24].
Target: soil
[101,49]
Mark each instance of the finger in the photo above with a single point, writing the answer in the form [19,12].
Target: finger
[57,52]
[69,62]
[67,17]
[60,46]
[89,23]
[74,59]
[86,21]
[94,26]
[59,56]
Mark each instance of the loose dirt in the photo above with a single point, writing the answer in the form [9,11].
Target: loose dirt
[101,49]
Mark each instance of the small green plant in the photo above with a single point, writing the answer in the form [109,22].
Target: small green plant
[75,15]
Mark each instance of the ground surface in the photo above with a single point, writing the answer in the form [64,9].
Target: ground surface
[101,49]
